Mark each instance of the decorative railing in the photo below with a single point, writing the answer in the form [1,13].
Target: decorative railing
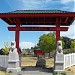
[4,61]
[69,60]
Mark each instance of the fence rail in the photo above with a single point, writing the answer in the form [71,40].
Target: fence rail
[3,61]
[69,60]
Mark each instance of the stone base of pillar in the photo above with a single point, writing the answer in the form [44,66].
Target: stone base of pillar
[13,66]
[14,69]
[13,62]
[59,63]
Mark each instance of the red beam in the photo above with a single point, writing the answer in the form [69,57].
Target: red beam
[38,15]
[72,20]
[38,28]
[66,19]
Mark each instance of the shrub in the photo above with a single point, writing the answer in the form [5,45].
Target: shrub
[55,73]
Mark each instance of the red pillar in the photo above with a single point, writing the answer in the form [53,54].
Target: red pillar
[17,35]
[57,32]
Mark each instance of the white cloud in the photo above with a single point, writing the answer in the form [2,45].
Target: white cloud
[66,1]
[27,45]
[74,7]
[34,4]
[65,8]
[61,1]
[9,37]
[30,4]
[70,32]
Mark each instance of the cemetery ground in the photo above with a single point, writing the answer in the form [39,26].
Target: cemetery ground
[31,62]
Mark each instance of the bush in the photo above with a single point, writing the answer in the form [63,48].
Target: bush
[55,73]
[5,51]
[63,73]
[1,52]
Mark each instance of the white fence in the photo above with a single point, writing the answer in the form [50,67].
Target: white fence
[3,61]
[69,60]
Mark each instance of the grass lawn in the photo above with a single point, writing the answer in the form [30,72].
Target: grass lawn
[70,71]
[31,61]
[28,61]
[4,73]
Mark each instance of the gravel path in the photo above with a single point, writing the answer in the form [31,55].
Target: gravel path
[34,71]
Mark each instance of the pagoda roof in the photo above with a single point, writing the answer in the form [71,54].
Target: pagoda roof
[39,17]
[37,11]
[37,49]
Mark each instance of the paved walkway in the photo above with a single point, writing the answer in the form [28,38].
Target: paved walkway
[34,71]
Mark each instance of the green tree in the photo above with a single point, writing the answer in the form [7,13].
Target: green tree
[63,43]
[35,47]
[47,42]
[73,46]
[1,52]
[6,49]
[67,42]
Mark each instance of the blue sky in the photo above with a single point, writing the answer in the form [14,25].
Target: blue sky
[28,39]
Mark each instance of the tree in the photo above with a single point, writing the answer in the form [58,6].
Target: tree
[36,46]
[1,52]
[63,43]
[73,46]
[6,49]
[67,42]
[47,42]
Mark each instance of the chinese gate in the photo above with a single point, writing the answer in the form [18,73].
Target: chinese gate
[19,18]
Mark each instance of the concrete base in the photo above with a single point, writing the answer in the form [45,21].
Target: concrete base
[59,70]
[59,63]
[14,69]
[13,62]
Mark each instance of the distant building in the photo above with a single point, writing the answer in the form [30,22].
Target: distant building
[27,51]
[38,51]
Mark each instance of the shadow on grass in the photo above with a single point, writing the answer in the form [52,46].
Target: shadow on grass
[2,69]
[34,68]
